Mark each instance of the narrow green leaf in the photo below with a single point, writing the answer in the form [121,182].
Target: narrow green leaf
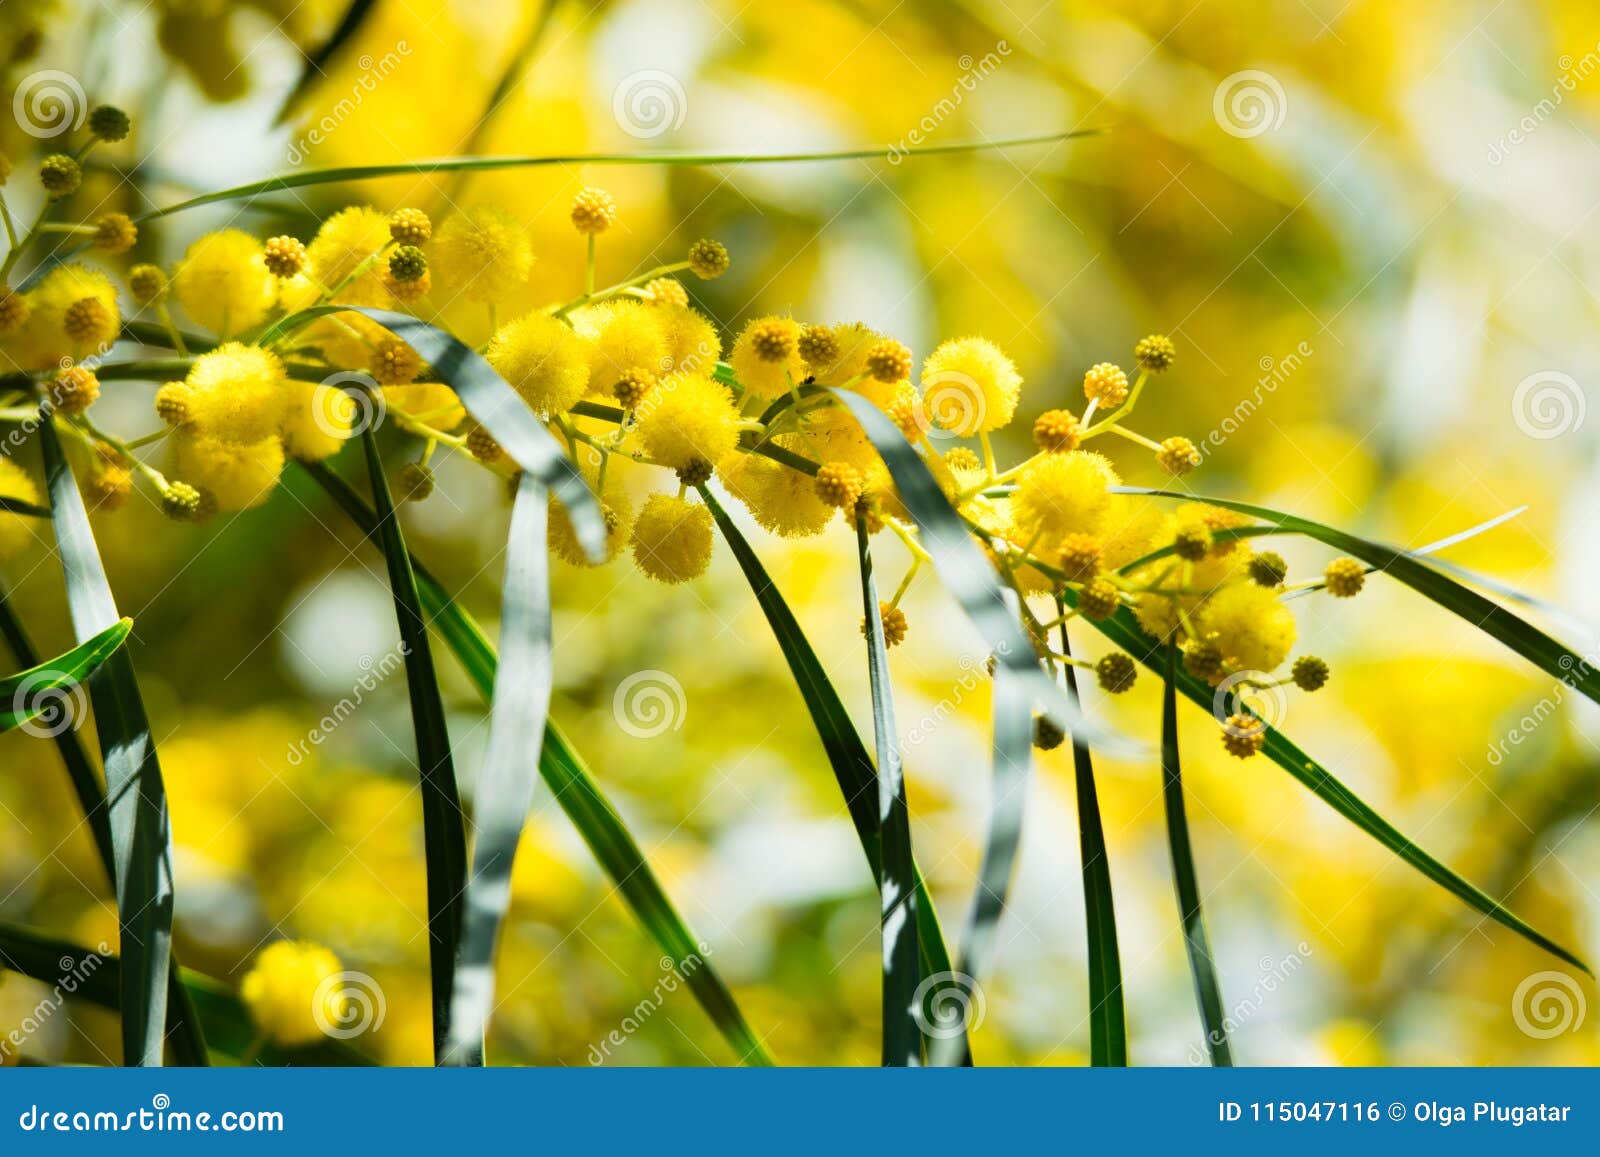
[967,573]
[306,178]
[96,977]
[1123,630]
[1108,1028]
[1201,966]
[141,830]
[1547,654]
[317,64]
[578,794]
[17,506]
[443,828]
[847,755]
[1013,751]
[183,1026]
[520,707]
[897,896]
[44,688]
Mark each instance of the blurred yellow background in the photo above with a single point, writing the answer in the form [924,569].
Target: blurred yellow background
[1365,224]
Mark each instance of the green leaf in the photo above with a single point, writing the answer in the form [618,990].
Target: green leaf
[1550,656]
[1201,966]
[141,830]
[967,573]
[1123,630]
[1108,1028]
[96,977]
[852,766]
[306,178]
[317,64]
[520,707]
[1008,786]
[897,895]
[18,506]
[578,794]
[46,686]
[443,829]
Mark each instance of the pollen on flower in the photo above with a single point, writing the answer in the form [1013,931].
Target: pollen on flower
[88,322]
[182,502]
[633,387]
[236,394]
[543,360]
[667,291]
[223,282]
[407,264]
[1080,557]
[972,386]
[773,339]
[115,233]
[1268,569]
[1178,456]
[1344,577]
[147,283]
[839,484]
[889,361]
[686,419]
[1116,672]
[1203,660]
[60,175]
[482,446]
[766,357]
[1244,735]
[1056,431]
[672,538]
[74,390]
[961,458]
[1155,353]
[285,256]
[237,475]
[172,403]
[1192,542]
[695,473]
[1310,673]
[708,259]
[818,347]
[894,625]
[1249,626]
[483,254]
[410,227]
[1106,383]
[394,363]
[1062,494]
[593,211]
[1098,599]
[13,310]
[112,485]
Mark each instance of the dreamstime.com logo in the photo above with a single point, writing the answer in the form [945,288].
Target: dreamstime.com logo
[649,703]
[348,1004]
[648,103]
[1242,693]
[48,708]
[349,404]
[1548,1004]
[49,103]
[1548,404]
[947,1004]
[951,405]
[1249,103]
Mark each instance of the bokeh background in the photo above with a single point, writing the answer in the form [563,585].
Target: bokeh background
[1367,226]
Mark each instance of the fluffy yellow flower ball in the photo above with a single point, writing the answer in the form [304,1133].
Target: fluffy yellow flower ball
[292,993]
[693,344]
[344,243]
[842,354]
[237,394]
[616,508]
[238,476]
[1062,494]
[688,420]
[621,337]
[482,255]
[1249,626]
[672,538]
[784,501]
[766,357]
[223,282]
[317,420]
[15,531]
[543,360]
[72,313]
[970,386]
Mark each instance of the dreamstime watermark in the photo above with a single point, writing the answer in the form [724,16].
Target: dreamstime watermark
[674,974]
[74,972]
[374,673]
[350,404]
[1249,103]
[951,405]
[973,672]
[1548,1004]
[649,703]
[48,705]
[49,103]
[1252,694]
[947,1004]
[1548,404]
[648,103]
[1572,72]
[348,1004]
[374,71]
[1273,975]
[1575,670]
[1274,373]
[972,71]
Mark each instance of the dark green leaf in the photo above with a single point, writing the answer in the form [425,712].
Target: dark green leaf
[1201,966]
[575,789]
[902,1037]
[141,831]
[45,687]
[17,506]
[443,828]
[1108,1028]
[520,707]
[316,65]
[847,755]
[96,977]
